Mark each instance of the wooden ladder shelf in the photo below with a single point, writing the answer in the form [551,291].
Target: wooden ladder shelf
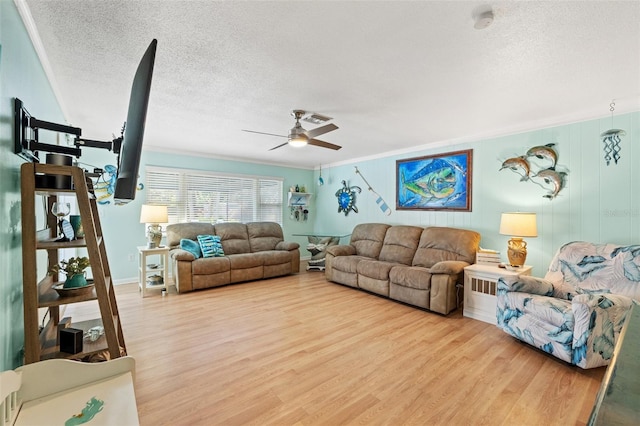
[38,292]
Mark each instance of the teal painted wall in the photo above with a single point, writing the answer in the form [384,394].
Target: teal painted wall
[600,203]
[22,76]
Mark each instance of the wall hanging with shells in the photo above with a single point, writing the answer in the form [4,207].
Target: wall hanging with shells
[539,166]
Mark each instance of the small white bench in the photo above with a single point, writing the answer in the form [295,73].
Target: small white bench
[55,391]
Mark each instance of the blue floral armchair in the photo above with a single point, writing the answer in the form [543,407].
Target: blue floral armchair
[577,311]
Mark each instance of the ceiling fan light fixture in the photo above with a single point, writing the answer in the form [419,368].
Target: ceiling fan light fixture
[298,141]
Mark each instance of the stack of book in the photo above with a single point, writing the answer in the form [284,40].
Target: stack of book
[488,257]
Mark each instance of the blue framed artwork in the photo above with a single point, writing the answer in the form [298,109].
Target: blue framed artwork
[435,182]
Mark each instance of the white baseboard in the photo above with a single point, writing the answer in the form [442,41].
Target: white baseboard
[125,281]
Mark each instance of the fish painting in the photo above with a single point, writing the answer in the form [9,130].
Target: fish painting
[518,165]
[436,180]
[544,152]
[556,179]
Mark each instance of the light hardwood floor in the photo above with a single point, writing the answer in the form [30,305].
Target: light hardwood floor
[299,350]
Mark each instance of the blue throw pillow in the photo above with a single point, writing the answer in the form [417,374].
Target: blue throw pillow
[191,246]
[210,246]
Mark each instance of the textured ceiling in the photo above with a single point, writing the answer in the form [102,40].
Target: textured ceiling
[394,75]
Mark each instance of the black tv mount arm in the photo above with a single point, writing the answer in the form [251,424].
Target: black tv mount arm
[26,134]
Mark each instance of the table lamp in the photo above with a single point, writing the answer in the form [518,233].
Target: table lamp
[154,216]
[518,225]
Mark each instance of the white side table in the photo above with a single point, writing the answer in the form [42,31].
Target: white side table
[480,290]
[148,268]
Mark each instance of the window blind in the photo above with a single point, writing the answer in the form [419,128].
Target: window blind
[199,196]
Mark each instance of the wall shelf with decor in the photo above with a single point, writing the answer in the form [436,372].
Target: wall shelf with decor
[299,199]
[47,293]
[298,203]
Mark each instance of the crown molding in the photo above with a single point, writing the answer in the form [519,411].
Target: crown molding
[34,35]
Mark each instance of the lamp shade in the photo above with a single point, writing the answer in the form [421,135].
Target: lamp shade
[519,224]
[154,214]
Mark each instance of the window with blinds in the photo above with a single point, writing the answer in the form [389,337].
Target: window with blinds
[198,196]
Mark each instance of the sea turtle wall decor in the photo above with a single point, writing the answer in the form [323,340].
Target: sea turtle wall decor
[347,198]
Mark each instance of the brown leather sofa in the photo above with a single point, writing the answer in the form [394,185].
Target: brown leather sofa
[414,265]
[252,251]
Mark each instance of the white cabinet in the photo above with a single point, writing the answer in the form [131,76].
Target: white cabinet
[480,290]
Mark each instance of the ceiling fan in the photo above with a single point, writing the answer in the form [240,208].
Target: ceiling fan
[299,137]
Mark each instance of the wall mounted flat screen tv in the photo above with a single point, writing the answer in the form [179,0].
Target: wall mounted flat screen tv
[129,164]
[128,146]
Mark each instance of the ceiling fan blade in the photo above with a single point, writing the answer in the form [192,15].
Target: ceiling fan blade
[320,130]
[323,144]
[263,133]
[279,146]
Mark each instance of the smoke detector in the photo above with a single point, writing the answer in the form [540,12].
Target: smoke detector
[483,19]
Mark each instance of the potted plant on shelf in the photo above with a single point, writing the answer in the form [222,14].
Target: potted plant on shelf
[74,269]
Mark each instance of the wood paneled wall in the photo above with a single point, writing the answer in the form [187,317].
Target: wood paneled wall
[599,203]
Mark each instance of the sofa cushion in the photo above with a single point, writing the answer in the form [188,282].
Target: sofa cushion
[210,246]
[191,246]
[245,261]
[400,243]
[375,269]
[442,243]
[367,238]
[274,257]
[411,276]
[554,311]
[234,237]
[190,231]
[264,235]
[348,263]
[210,265]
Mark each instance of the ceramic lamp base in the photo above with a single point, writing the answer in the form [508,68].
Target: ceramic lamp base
[154,232]
[517,251]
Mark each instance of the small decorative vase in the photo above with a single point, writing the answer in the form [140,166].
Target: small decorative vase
[75,281]
[76,224]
